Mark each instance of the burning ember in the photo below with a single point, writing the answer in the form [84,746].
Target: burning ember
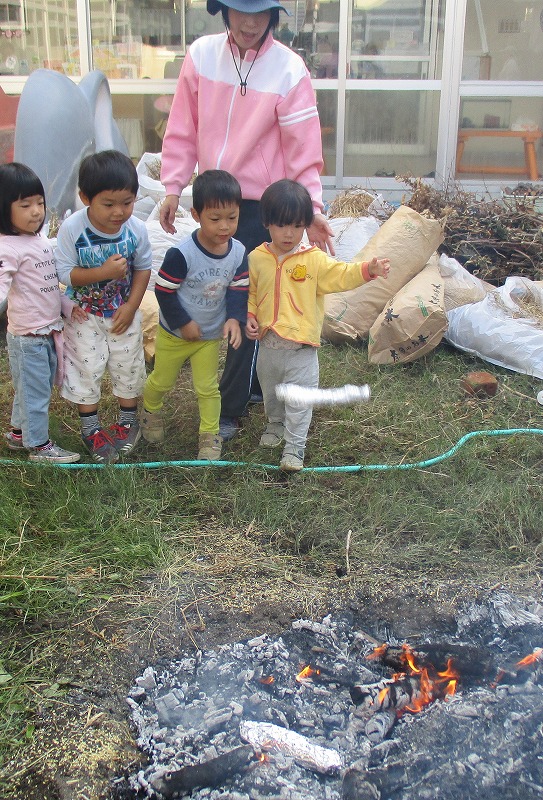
[533,658]
[322,713]
[306,674]
[413,688]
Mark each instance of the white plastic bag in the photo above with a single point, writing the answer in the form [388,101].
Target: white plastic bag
[162,241]
[499,329]
[461,286]
[351,234]
[150,186]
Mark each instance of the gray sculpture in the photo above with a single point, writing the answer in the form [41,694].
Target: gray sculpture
[58,124]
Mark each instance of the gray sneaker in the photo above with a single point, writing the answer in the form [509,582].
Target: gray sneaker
[51,453]
[292,460]
[125,437]
[14,442]
[273,435]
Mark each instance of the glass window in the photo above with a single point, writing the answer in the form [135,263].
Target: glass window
[396,39]
[133,39]
[503,41]
[390,133]
[312,30]
[500,136]
[327,106]
[142,120]
[36,34]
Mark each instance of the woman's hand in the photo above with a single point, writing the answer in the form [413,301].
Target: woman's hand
[321,234]
[168,210]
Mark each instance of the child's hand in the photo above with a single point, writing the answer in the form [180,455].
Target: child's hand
[122,319]
[191,332]
[115,267]
[78,315]
[251,328]
[379,266]
[232,333]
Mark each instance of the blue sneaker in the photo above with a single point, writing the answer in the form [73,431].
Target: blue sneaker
[228,428]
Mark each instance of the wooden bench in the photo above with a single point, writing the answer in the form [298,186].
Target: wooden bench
[528,137]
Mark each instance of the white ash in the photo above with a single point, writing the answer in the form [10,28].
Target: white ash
[484,742]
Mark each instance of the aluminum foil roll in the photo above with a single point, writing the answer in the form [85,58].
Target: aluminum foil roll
[266,737]
[305,396]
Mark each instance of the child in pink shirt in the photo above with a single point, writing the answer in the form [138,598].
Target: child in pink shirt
[29,283]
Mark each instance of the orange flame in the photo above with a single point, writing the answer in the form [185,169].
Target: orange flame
[268,681]
[527,661]
[409,658]
[442,684]
[430,684]
[498,678]
[307,672]
[382,694]
[378,652]
[451,688]
[450,677]
[426,692]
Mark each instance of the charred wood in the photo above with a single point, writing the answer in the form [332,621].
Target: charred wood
[340,675]
[209,773]
[387,694]
[379,725]
[356,787]
[472,662]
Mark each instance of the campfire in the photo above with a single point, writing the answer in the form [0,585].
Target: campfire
[327,711]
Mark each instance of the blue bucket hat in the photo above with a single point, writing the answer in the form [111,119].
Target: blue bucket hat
[246,6]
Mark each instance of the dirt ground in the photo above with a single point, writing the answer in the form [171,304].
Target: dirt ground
[83,745]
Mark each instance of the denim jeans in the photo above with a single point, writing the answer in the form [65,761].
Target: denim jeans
[33,363]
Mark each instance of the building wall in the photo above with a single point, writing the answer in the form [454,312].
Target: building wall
[394,78]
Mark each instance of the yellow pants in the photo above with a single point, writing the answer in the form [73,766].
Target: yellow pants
[170,355]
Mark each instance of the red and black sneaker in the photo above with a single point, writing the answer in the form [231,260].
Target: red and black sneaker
[101,447]
[125,437]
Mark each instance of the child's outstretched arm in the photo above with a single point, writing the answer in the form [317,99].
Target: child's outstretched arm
[378,267]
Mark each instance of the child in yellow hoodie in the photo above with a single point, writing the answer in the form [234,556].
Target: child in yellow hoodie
[287,284]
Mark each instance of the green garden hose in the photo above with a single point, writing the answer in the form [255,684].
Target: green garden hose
[348,468]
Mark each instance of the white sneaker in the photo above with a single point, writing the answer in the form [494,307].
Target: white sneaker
[51,453]
[273,435]
[292,460]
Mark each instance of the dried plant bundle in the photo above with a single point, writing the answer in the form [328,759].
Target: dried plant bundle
[354,202]
[490,239]
[529,307]
[153,168]
[54,225]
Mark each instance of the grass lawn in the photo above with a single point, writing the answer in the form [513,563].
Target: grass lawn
[104,570]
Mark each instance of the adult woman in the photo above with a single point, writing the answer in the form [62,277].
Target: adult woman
[244,103]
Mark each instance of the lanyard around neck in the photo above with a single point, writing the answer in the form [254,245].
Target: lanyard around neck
[242,81]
